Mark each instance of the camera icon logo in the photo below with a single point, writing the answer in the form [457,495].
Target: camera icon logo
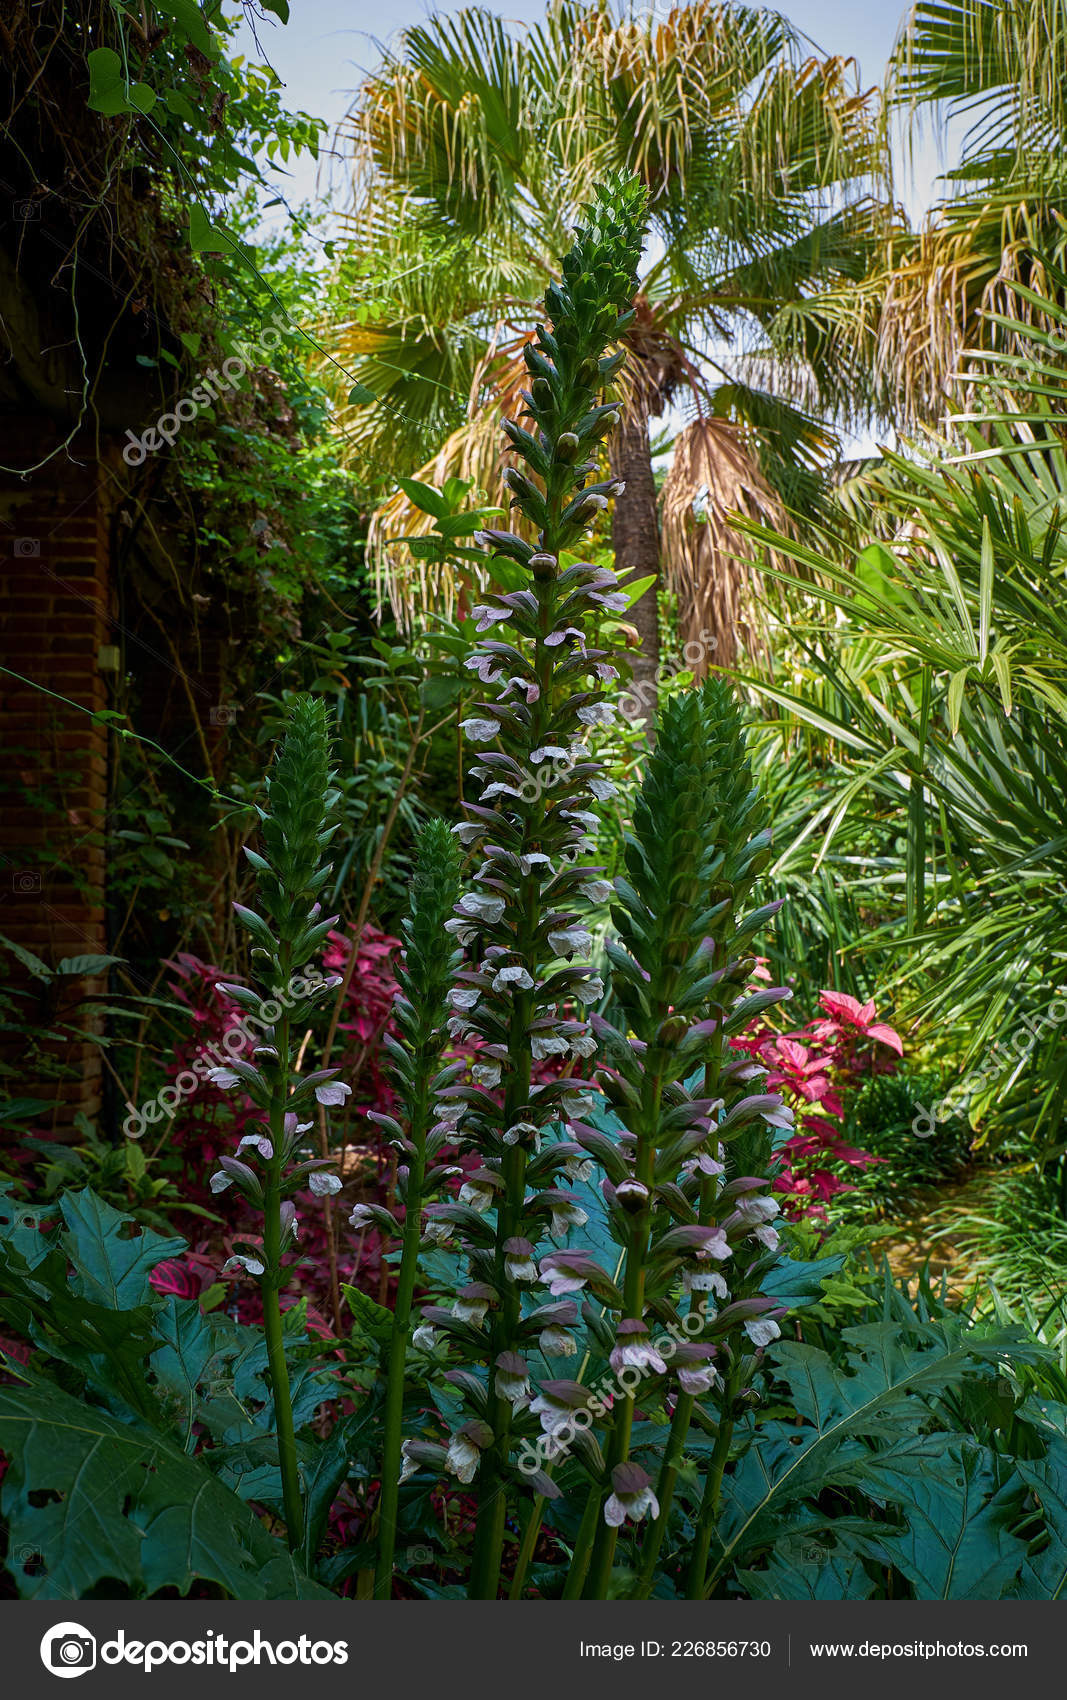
[25,880]
[27,212]
[223,714]
[26,548]
[68,1650]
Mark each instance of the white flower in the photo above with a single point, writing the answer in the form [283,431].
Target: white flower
[467,831]
[555,638]
[513,978]
[499,788]
[761,1331]
[486,1073]
[567,941]
[605,671]
[553,1413]
[602,789]
[480,907]
[486,617]
[596,714]
[224,1078]
[465,931]
[521,1132]
[464,997]
[484,665]
[704,1281]
[334,1092]
[409,1465]
[547,1045]
[578,1168]
[512,1379]
[323,1185]
[535,859]
[591,990]
[633,1496]
[698,1378]
[758,1209]
[614,600]
[220,1181]
[597,891]
[250,1264]
[564,1217]
[462,1458]
[715,1245]
[480,731]
[583,1045]
[361,1217]
[767,1236]
[480,1195]
[704,1165]
[259,1142]
[549,752]
[519,1262]
[424,1337]
[634,1349]
[470,1309]
[556,1343]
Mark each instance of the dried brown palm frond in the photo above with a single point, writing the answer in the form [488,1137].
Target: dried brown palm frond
[938,301]
[476,451]
[713,567]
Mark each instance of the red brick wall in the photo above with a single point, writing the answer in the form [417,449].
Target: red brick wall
[54,606]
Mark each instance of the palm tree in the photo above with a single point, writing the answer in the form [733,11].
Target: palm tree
[766,171]
[1003,65]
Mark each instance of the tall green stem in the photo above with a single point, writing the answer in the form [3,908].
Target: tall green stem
[292,1498]
[696,1581]
[396,1368]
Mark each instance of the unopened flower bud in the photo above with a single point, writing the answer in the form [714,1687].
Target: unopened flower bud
[632,1195]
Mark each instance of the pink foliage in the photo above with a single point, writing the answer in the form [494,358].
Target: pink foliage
[814,1067]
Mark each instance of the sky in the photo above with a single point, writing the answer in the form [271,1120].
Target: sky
[328,46]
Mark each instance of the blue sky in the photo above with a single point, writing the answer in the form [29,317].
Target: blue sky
[328,45]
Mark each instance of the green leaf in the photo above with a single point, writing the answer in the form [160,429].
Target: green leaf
[1044,1574]
[280,8]
[187,14]
[878,1396]
[424,497]
[101,1501]
[107,84]
[204,237]
[958,1543]
[359,395]
[373,1318]
[86,965]
[40,970]
[111,1265]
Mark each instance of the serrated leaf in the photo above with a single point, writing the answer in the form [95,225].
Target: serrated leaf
[110,1268]
[116,1503]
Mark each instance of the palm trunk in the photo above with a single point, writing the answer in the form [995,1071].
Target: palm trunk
[635,539]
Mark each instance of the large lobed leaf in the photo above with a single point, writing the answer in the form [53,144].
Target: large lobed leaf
[90,1500]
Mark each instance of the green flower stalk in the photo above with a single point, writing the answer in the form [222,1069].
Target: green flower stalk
[661,970]
[523,992]
[420,1010]
[290,873]
[744,1126]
